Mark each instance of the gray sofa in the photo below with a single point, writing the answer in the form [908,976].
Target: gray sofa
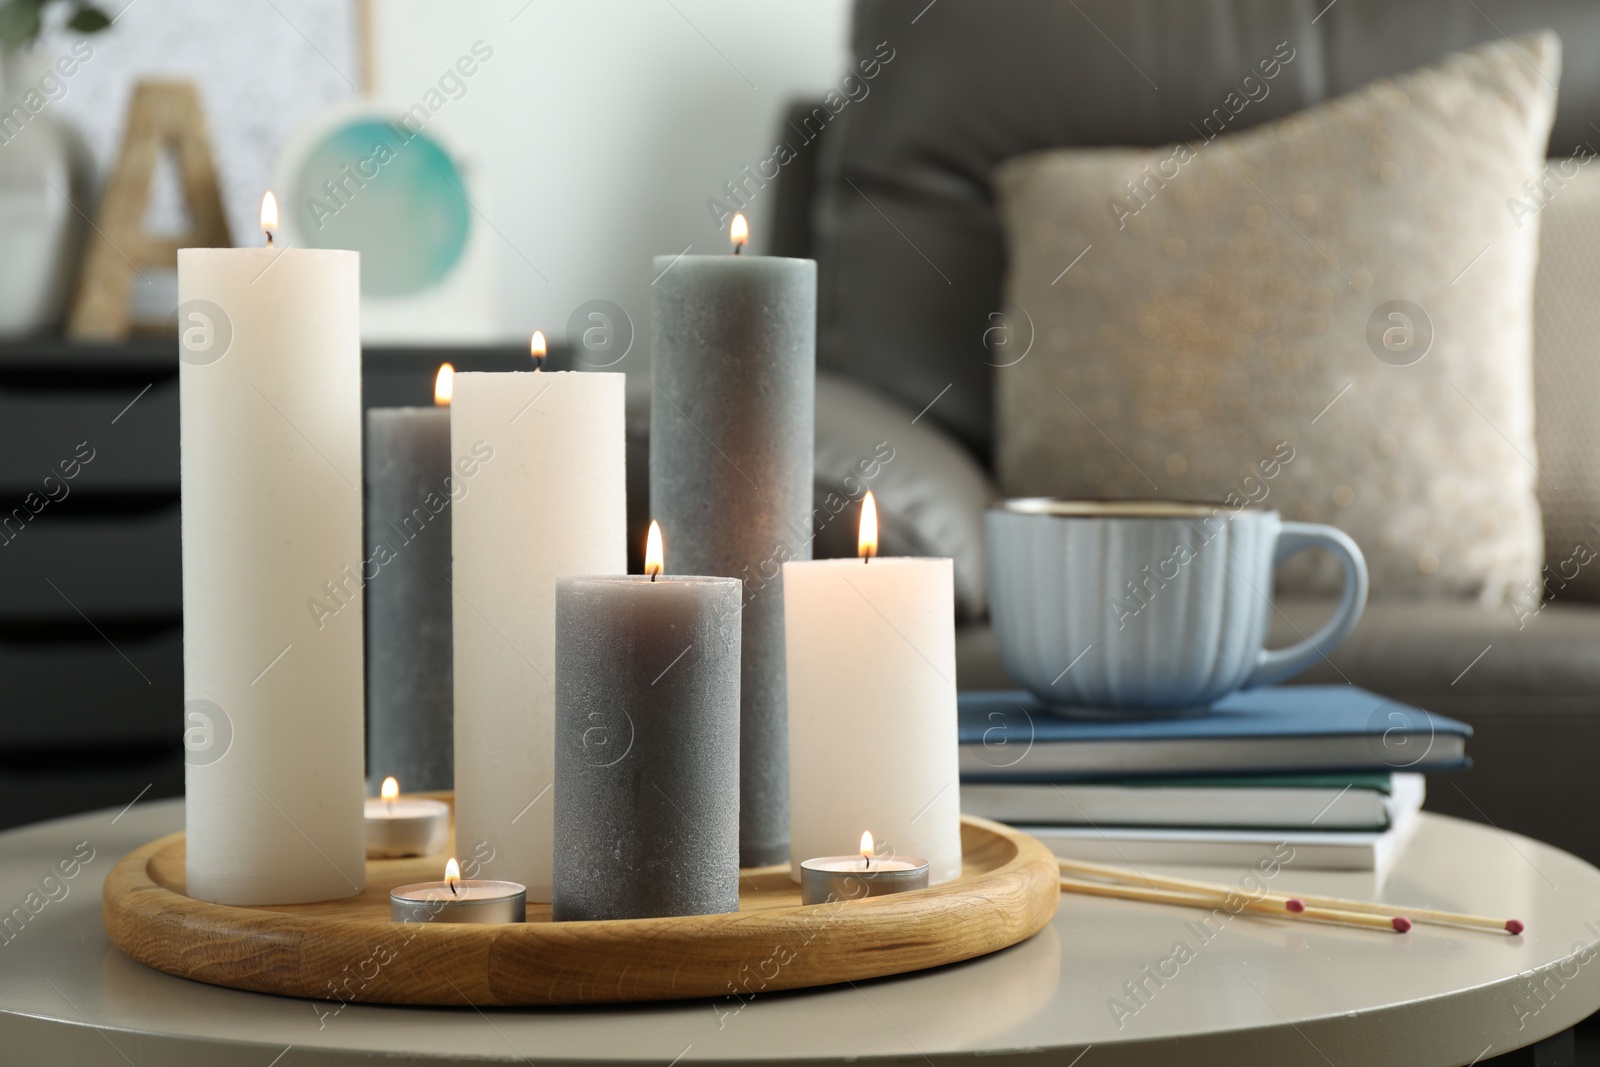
[897,183]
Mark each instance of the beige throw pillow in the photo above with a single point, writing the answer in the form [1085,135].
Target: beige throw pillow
[1349,287]
[1566,375]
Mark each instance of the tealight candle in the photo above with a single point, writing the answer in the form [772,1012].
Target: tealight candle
[828,878]
[474,900]
[404,826]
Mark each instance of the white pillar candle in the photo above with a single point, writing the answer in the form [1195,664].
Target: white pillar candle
[548,499]
[270,389]
[872,709]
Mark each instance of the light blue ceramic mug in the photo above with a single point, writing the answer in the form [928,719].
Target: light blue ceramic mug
[1150,605]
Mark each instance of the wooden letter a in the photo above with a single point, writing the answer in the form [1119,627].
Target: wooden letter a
[164,115]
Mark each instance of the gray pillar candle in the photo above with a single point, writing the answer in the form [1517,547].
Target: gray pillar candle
[410,726]
[731,436]
[647,747]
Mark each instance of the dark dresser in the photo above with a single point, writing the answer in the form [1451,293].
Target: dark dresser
[91,605]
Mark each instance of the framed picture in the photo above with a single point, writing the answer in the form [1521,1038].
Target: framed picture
[378,179]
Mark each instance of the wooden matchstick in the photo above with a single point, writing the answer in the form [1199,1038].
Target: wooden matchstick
[1277,909]
[1294,900]
[1421,915]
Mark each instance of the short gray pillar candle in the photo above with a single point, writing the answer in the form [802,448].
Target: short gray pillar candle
[731,455]
[410,726]
[647,748]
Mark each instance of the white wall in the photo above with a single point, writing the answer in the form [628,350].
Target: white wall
[602,127]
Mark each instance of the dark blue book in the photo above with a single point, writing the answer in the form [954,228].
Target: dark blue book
[1012,736]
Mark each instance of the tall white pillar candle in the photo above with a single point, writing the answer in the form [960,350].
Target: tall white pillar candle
[872,709]
[547,499]
[270,388]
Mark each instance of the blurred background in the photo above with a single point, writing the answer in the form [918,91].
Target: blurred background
[591,135]
[544,154]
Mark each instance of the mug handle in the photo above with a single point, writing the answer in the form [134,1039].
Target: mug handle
[1274,665]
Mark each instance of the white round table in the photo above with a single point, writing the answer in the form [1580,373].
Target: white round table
[1247,991]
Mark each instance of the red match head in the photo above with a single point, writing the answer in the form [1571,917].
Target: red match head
[1401,923]
[1514,926]
[1295,904]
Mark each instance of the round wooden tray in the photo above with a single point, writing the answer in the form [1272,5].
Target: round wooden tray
[348,950]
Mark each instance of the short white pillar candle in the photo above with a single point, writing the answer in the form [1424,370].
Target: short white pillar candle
[872,706]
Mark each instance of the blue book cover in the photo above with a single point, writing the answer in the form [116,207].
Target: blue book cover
[1012,736]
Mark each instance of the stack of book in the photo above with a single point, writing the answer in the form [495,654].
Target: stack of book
[1332,772]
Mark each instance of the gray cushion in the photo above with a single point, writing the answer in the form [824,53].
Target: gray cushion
[909,248]
[1531,699]
[1421,652]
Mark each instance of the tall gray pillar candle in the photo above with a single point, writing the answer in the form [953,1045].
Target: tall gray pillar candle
[647,747]
[410,725]
[731,437]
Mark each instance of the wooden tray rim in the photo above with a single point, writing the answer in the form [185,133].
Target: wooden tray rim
[585,962]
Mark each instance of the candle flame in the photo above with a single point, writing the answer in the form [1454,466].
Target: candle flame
[452,874]
[390,790]
[867,848]
[739,232]
[867,542]
[538,349]
[269,215]
[654,555]
[444,387]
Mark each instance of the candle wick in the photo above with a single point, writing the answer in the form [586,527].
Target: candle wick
[452,888]
[653,575]
[269,238]
[737,248]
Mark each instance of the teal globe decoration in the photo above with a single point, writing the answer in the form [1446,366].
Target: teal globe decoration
[391,193]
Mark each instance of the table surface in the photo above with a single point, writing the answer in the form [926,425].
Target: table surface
[1244,990]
